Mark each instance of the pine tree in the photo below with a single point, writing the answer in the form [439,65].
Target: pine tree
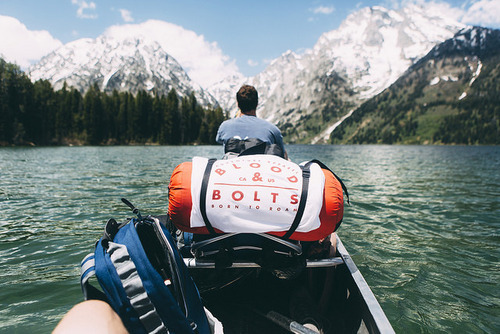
[35,113]
[93,115]
[172,119]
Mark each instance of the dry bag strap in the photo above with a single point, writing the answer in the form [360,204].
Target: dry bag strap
[306,173]
[323,166]
[203,196]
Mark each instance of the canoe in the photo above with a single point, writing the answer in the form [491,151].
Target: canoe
[246,297]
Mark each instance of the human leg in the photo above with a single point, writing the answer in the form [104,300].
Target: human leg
[91,316]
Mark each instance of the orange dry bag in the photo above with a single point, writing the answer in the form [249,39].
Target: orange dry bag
[256,194]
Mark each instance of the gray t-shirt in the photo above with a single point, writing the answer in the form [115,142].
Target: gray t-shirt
[246,126]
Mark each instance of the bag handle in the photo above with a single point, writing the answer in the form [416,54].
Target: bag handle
[323,166]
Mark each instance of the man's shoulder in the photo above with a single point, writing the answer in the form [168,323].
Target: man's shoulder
[269,124]
[245,120]
[227,122]
[259,120]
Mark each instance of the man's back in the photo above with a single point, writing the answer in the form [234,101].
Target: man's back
[249,127]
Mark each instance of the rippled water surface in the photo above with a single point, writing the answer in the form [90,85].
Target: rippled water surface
[423,225]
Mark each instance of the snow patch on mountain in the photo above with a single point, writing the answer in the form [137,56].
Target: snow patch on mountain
[477,72]
[324,135]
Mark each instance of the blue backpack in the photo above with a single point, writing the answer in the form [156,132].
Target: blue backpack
[144,278]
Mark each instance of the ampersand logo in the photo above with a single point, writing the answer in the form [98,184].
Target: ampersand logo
[257,177]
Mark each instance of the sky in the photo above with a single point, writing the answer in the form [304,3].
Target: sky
[210,38]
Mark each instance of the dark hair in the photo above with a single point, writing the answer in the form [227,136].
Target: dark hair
[247,98]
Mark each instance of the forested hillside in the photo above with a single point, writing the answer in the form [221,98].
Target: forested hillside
[448,97]
[35,114]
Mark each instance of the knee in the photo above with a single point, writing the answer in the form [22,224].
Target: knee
[91,316]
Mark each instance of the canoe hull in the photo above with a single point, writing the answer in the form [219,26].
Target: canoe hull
[246,298]
[337,298]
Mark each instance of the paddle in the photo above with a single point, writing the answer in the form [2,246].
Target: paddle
[287,323]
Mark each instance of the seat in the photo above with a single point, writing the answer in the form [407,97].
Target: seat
[250,250]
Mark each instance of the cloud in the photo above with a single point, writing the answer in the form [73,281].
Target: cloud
[85,6]
[485,13]
[268,61]
[441,9]
[391,4]
[204,61]
[323,10]
[23,46]
[126,15]
[252,63]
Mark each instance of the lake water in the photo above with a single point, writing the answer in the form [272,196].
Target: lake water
[423,225]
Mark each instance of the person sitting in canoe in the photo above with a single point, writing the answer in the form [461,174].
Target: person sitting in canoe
[248,127]
[246,131]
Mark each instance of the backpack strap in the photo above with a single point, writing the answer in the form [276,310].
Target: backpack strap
[112,227]
[203,196]
[132,284]
[87,271]
[306,173]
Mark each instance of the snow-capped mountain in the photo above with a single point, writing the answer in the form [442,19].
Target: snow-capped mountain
[304,94]
[374,46]
[475,41]
[365,55]
[449,96]
[125,64]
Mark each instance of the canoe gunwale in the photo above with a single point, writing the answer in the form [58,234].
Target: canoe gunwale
[374,316]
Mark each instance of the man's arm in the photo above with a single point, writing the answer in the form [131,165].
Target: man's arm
[279,141]
[218,137]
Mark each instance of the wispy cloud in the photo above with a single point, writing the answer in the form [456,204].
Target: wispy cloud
[85,9]
[252,62]
[126,15]
[267,61]
[395,4]
[23,46]
[484,12]
[323,10]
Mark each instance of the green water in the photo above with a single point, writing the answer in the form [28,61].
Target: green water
[423,226]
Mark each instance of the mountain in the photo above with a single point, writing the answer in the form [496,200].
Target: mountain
[306,94]
[449,96]
[125,64]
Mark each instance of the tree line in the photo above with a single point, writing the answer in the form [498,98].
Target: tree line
[36,114]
